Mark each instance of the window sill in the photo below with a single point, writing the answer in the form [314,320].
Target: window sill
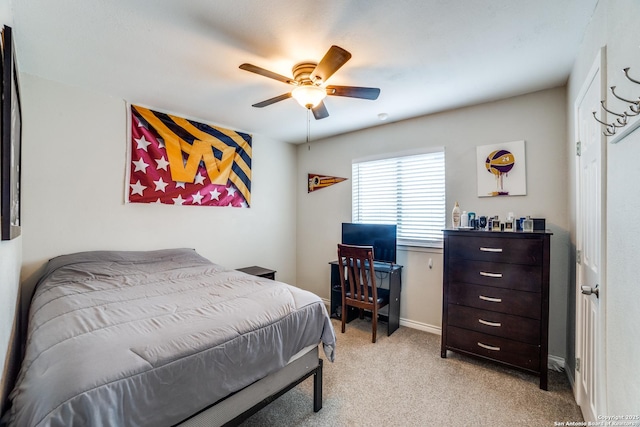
[413,248]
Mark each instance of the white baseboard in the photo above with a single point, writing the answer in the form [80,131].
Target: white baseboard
[556,363]
[404,322]
[421,326]
[572,379]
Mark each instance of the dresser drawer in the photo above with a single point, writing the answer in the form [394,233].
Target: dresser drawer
[493,323]
[518,250]
[504,350]
[511,276]
[525,304]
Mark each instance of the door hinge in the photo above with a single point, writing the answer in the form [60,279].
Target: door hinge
[578,148]
[578,256]
[577,364]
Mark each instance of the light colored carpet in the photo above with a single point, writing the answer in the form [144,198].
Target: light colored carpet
[402,381]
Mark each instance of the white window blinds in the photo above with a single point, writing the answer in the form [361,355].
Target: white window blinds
[408,191]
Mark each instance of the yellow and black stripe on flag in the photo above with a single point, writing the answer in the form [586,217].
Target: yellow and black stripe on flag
[180,161]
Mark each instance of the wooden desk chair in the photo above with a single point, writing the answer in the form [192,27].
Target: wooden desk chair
[358,282]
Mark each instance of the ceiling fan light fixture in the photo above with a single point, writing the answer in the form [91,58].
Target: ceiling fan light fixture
[309,96]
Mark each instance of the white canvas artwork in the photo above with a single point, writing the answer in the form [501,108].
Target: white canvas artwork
[502,169]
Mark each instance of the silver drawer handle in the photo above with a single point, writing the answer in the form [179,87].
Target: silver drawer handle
[483,249]
[494,324]
[489,347]
[496,275]
[482,297]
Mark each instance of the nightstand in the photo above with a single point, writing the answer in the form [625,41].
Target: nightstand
[254,270]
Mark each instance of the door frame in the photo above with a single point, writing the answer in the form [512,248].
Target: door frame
[599,65]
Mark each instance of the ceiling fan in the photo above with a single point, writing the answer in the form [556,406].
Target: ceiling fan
[309,79]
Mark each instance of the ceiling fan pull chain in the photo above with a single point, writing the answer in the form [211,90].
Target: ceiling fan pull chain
[308,128]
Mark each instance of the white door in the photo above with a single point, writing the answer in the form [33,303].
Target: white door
[590,292]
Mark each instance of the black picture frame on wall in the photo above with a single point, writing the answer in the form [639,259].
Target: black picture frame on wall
[11,142]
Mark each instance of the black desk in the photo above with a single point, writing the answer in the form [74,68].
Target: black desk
[389,274]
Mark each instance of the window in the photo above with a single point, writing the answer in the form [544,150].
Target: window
[406,190]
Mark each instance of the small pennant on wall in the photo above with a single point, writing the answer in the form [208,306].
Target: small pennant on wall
[317,182]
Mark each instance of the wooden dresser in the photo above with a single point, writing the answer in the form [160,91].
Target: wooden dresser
[496,297]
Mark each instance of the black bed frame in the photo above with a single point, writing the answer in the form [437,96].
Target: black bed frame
[317,397]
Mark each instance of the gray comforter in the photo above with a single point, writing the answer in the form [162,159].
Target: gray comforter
[149,338]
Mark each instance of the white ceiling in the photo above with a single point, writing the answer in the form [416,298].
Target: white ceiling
[183,56]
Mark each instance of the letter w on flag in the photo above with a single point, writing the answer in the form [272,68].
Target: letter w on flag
[177,161]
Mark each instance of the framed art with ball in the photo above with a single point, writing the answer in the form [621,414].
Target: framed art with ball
[502,169]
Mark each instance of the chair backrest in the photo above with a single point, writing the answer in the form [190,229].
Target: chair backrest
[357,275]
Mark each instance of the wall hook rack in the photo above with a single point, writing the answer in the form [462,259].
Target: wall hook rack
[634,104]
[621,118]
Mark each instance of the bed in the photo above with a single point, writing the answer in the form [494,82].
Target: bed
[162,338]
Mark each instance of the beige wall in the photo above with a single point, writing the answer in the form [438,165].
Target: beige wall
[538,118]
[73,191]
[10,262]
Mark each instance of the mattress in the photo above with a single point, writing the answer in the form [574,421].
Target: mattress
[149,338]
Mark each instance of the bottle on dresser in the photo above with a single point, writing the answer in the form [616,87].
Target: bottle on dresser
[509,224]
[455,216]
[527,224]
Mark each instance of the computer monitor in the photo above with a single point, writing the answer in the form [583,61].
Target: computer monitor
[381,236]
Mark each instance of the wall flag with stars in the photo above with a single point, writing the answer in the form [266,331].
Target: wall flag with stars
[177,161]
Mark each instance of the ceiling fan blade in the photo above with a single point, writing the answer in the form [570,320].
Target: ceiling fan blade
[354,92]
[258,70]
[335,58]
[272,100]
[320,111]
